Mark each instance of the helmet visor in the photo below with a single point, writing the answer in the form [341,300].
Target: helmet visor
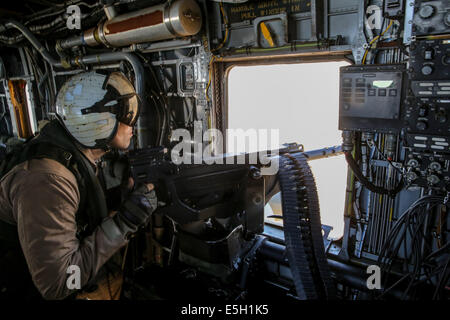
[128,112]
[125,107]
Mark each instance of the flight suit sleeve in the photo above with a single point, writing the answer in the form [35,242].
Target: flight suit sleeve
[45,206]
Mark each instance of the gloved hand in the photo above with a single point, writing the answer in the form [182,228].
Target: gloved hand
[137,209]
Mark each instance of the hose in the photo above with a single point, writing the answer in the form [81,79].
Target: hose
[30,36]
[369,185]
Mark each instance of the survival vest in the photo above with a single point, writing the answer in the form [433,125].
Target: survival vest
[54,143]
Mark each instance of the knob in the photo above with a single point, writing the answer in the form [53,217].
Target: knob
[446,60]
[255,173]
[411,176]
[433,179]
[427,70]
[413,163]
[436,166]
[420,125]
[426,11]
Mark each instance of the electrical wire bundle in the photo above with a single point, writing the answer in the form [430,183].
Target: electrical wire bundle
[52,20]
[159,99]
[366,183]
[372,44]
[376,40]
[423,263]
[220,46]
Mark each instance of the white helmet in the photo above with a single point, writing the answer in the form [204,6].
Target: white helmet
[90,106]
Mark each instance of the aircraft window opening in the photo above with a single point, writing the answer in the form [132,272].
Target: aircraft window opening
[301,101]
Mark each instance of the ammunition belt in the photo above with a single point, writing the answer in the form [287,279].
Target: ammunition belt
[302,229]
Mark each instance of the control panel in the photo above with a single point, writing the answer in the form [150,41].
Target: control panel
[428,170]
[427,108]
[431,17]
[430,60]
[371,97]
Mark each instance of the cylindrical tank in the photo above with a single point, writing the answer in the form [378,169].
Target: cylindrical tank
[181,18]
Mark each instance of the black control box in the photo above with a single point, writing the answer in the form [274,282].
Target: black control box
[428,170]
[370,97]
[430,60]
[427,116]
[431,17]
[428,143]
[394,9]
[427,108]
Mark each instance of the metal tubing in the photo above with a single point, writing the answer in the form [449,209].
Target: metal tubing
[317,154]
[323,153]
[110,11]
[71,42]
[273,251]
[114,57]
[30,36]
[90,59]
[344,273]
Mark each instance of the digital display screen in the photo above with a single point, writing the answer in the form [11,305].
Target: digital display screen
[382,84]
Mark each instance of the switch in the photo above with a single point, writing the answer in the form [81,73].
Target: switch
[392,4]
[428,54]
[422,111]
[441,116]
[267,35]
[393,92]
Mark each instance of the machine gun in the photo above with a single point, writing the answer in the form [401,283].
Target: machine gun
[219,211]
[233,184]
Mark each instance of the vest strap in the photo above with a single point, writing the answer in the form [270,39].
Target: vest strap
[45,150]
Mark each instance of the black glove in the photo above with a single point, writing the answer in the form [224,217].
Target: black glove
[136,210]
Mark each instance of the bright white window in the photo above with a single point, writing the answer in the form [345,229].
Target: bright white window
[301,101]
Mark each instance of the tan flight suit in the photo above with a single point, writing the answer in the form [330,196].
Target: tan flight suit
[41,197]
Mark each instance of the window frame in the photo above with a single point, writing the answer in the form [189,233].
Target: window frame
[222,67]
[220,79]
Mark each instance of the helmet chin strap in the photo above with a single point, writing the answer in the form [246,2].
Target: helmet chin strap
[107,148]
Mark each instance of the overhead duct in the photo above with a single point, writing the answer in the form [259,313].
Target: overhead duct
[181,18]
